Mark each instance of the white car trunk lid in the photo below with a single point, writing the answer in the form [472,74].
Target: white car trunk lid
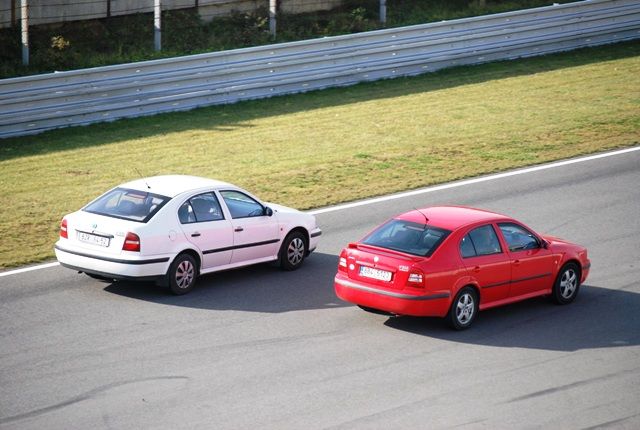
[98,233]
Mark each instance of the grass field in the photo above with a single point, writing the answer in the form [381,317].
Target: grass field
[336,145]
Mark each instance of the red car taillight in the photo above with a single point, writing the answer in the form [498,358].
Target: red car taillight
[131,242]
[63,229]
[415,279]
[342,262]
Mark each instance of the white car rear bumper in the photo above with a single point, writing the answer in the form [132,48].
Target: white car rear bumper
[139,268]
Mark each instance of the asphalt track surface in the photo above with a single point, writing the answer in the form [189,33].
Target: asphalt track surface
[261,348]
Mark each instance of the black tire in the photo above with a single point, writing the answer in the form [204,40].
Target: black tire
[567,284]
[182,274]
[293,251]
[464,309]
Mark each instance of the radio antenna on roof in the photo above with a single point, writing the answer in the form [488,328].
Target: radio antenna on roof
[426,220]
[142,177]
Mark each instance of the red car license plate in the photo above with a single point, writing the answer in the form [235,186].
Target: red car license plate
[369,272]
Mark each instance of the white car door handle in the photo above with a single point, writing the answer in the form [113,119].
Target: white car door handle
[196,234]
[238,229]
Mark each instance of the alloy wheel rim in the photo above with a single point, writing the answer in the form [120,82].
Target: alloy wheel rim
[465,309]
[295,251]
[568,283]
[184,274]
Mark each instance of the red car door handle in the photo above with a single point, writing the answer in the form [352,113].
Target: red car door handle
[239,229]
[516,262]
[476,269]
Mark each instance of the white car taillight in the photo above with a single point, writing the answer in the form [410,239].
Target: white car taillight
[131,242]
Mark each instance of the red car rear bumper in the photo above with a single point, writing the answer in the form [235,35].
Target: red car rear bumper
[401,303]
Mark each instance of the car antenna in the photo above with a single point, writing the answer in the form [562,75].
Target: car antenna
[426,220]
[142,177]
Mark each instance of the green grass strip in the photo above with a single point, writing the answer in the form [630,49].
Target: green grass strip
[336,145]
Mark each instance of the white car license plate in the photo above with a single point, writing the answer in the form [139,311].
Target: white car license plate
[93,239]
[369,272]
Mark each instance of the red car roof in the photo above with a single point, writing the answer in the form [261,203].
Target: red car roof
[451,217]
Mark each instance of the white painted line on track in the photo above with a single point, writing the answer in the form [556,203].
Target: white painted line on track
[29,269]
[414,192]
[471,181]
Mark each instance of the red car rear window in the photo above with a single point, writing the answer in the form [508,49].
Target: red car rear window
[406,236]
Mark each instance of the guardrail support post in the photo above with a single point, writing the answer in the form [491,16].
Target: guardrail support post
[24,9]
[383,12]
[157,34]
[13,13]
[272,17]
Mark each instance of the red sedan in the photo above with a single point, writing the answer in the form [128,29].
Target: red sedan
[453,261]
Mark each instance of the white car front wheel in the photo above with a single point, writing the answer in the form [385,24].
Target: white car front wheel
[293,251]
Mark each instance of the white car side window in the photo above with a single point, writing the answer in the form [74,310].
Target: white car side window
[241,205]
[200,208]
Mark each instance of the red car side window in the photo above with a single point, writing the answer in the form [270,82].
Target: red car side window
[518,238]
[480,241]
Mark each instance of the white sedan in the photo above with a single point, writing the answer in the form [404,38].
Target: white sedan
[170,229]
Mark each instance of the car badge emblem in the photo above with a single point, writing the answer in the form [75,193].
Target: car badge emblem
[375,259]
[95,226]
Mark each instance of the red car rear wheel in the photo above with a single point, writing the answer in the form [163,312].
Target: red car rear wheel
[463,309]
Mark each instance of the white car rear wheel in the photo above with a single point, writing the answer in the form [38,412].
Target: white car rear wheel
[182,274]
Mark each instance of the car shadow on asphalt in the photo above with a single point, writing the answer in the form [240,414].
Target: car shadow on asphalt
[258,288]
[598,318]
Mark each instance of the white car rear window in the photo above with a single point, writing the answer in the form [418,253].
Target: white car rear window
[133,205]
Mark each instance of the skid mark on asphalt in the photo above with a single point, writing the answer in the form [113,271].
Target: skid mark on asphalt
[86,396]
[613,423]
[572,385]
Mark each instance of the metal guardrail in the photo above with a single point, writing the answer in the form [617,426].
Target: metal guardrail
[30,105]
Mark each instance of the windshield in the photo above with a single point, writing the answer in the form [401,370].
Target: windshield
[408,237]
[127,204]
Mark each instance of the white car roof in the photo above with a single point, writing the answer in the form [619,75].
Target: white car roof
[172,185]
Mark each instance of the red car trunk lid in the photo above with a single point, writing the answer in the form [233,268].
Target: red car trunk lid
[379,266]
